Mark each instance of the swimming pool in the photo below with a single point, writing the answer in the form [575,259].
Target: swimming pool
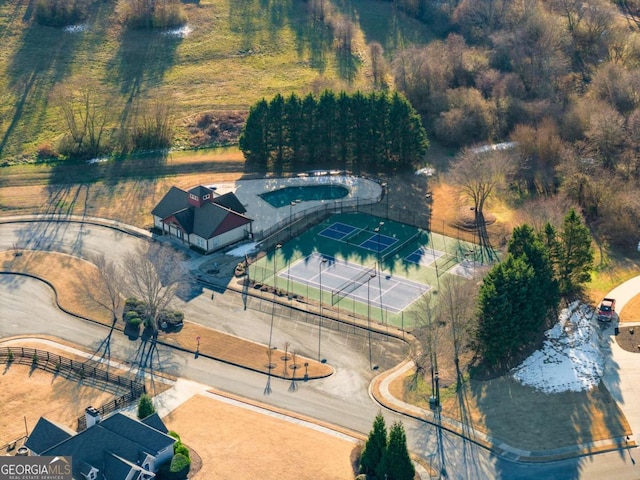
[284,196]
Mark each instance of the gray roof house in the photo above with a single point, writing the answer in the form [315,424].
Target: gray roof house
[202,218]
[118,447]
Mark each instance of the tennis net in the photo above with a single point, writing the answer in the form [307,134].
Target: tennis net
[352,284]
[392,252]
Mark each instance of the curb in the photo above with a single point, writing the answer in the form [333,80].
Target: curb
[483,440]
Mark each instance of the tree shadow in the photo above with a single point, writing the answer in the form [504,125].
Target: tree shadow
[43,60]
[142,59]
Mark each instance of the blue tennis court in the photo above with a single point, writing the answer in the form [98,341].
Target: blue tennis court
[337,231]
[378,242]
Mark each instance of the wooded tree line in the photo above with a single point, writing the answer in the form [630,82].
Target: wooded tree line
[559,77]
[376,130]
[522,293]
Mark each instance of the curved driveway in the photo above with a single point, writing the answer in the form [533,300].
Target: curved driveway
[26,307]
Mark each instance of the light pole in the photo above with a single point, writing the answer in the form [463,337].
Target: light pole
[372,276]
[377,230]
[273,303]
[385,186]
[324,260]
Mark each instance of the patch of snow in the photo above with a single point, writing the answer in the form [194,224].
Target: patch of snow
[242,250]
[181,32]
[426,171]
[98,160]
[495,146]
[570,359]
[75,28]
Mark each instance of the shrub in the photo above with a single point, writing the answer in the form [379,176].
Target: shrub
[46,151]
[181,449]
[10,356]
[59,13]
[179,467]
[145,407]
[35,358]
[174,435]
[134,322]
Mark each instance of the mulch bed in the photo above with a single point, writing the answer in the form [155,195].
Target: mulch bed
[629,339]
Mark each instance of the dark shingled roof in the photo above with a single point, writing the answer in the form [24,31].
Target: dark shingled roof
[149,438]
[200,191]
[118,435]
[174,201]
[211,219]
[46,434]
[154,421]
[230,201]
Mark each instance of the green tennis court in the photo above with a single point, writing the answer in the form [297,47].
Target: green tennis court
[372,266]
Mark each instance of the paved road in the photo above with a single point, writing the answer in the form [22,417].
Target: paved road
[26,307]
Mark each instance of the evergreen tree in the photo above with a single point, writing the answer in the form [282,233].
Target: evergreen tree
[326,126]
[576,254]
[145,407]
[253,140]
[276,129]
[396,463]
[293,125]
[309,138]
[545,292]
[375,447]
[344,128]
[508,311]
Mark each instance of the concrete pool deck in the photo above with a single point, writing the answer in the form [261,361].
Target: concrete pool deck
[265,215]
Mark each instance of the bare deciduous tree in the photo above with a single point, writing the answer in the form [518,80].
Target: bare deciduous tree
[105,287]
[456,307]
[87,114]
[479,174]
[154,275]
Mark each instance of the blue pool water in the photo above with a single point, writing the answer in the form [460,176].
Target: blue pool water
[284,196]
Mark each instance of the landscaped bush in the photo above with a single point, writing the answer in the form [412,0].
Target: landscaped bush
[179,447]
[177,469]
[174,435]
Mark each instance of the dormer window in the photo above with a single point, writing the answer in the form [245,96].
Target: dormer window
[206,197]
[193,197]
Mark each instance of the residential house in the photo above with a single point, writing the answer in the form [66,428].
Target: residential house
[202,218]
[118,447]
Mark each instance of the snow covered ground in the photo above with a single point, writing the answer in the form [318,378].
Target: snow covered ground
[570,359]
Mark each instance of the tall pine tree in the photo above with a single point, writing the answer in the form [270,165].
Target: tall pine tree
[576,254]
[396,463]
[375,447]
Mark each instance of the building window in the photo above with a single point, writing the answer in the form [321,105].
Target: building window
[200,242]
[206,197]
[193,197]
[216,241]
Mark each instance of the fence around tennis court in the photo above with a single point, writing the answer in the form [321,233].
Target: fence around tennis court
[302,220]
[76,370]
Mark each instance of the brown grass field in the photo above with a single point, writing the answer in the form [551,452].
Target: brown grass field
[26,395]
[234,442]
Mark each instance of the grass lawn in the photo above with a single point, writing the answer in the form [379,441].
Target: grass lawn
[252,444]
[26,395]
[237,52]
[69,274]
[524,417]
